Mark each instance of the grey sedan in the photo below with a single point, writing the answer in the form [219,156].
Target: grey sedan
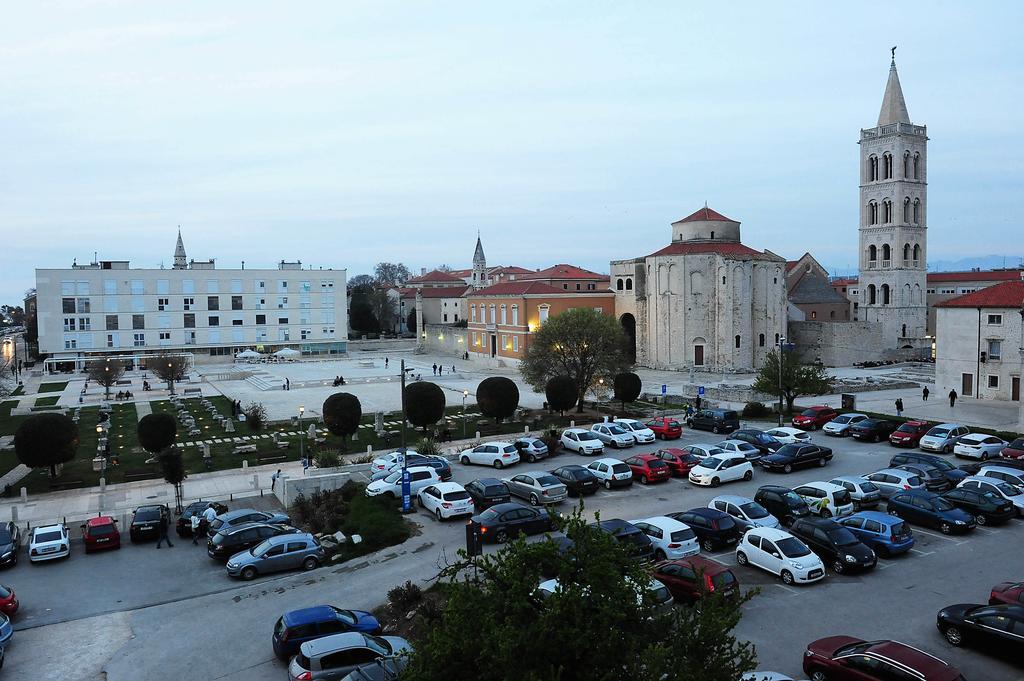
[539,487]
[245,515]
[284,552]
[531,449]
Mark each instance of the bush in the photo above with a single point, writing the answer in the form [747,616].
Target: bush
[405,597]
[497,397]
[255,416]
[755,409]
[424,403]
[428,447]
[560,392]
[326,459]
[157,432]
[342,414]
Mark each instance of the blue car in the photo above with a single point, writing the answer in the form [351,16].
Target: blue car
[298,626]
[931,510]
[886,534]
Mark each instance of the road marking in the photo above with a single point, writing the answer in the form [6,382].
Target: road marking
[881,565]
[923,553]
[934,534]
[985,530]
[786,588]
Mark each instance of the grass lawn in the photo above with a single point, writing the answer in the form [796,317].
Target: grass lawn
[47,401]
[8,423]
[53,387]
[8,461]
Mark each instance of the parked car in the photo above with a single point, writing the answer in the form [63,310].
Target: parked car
[438,463]
[789,436]
[715,420]
[780,553]
[746,512]
[725,467]
[984,626]
[952,473]
[237,538]
[531,449]
[979,446]
[680,461]
[446,500]
[840,425]
[713,528]
[486,492]
[934,480]
[691,579]
[283,552]
[295,627]
[581,441]
[943,437]
[889,481]
[909,434]
[834,544]
[183,525]
[975,467]
[1011,593]
[765,443]
[887,535]
[389,462]
[997,488]
[496,454]
[638,429]
[665,428]
[863,492]
[1014,450]
[48,542]
[8,601]
[931,510]
[335,656]
[612,435]
[749,451]
[146,522]
[782,502]
[537,487]
[986,507]
[843,658]
[630,536]
[648,468]
[578,480]
[791,456]
[100,533]
[391,486]
[10,544]
[502,522]
[611,472]
[826,499]
[814,417]
[873,430]
[6,630]
[671,539]
[1012,476]
[246,515]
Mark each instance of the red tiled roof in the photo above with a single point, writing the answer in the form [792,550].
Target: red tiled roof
[705,214]
[728,248]
[436,292]
[436,275]
[846,281]
[509,269]
[1001,275]
[1007,294]
[790,264]
[525,288]
[563,271]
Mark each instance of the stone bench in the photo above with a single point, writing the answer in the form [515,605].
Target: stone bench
[193,391]
[270,459]
[242,449]
[138,474]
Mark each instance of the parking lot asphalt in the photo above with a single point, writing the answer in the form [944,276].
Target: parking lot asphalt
[898,599]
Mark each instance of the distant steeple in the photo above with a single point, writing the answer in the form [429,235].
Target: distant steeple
[478,255]
[894,108]
[479,265]
[180,261]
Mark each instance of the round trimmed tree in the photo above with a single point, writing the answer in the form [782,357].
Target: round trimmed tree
[46,441]
[424,404]
[497,397]
[560,392]
[342,414]
[157,432]
[627,387]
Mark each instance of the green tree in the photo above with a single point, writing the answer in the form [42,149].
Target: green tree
[797,379]
[342,414]
[424,404]
[560,392]
[497,397]
[255,416]
[157,432]
[627,387]
[583,344]
[106,373]
[361,317]
[602,598]
[393,273]
[46,441]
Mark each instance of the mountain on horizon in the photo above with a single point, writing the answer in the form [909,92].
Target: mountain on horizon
[982,262]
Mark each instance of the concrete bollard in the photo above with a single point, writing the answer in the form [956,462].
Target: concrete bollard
[14,514]
[255,481]
[572,424]
[478,435]
[526,430]
[245,463]
[369,449]
[24,494]
[103,484]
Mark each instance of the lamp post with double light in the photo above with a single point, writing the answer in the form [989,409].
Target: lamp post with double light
[302,447]
[465,394]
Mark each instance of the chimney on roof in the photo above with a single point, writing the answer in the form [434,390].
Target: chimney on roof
[423,271]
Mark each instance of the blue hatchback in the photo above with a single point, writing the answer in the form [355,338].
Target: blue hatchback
[298,626]
[886,534]
[930,509]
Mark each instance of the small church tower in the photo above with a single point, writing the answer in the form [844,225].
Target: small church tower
[180,262]
[479,266]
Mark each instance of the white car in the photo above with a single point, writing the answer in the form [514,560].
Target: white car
[496,454]
[840,425]
[724,467]
[660,594]
[581,441]
[671,538]
[704,451]
[746,512]
[611,472]
[640,432]
[49,542]
[1014,476]
[998,488]
[789,436]
[780,553]
[826,499]
[446,500]
[749,451]
[388,462]
[979,446]
[612,435]
[419,477]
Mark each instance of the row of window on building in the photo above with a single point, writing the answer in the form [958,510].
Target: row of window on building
[84,305]
[84,341]
[161,286]
[882,169]
[502,313]
[911,212]
[911,254]
[508,342]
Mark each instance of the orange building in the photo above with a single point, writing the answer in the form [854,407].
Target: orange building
[503,317]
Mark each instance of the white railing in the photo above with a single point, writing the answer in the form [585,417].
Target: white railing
[886,264]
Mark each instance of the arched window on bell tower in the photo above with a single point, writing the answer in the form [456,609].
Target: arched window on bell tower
[917,166]
[917,211]
[906,210]
[885,294]
[872,213]
[887,163]
[872,168]
[871,294]
[886,211]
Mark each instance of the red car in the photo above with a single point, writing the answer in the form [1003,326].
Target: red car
[1011,593]
[8,601]
[666,428]
[100,533]
[690,579]
[814,418]
[844,658]
[679,461]
[909,434]
[1014,450]
[648,468]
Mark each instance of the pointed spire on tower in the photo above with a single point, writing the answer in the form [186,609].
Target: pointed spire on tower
[180,260]
[478,254]
[894,107]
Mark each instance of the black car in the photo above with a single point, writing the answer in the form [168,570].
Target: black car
[146,522]
[713,528]
[715,420]
[577,479]
[241,516]
[764,442]
[10,542]
[504,521]
[794,455]
[834,544]
[973,468]
[629,535]
[954,474]
[782,502]
[873,430]
[236,539]
[487,492]
[183,526]
[998,627]
[986,507]
[934,479]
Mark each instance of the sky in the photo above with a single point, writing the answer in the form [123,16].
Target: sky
[346,133]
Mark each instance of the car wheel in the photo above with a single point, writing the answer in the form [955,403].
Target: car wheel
[501,537]
[838,567]
[813,427]
[660,555]
[822,462]
[392,495]
[437,514]
[818,675]
[984,456]
[643,479]
[741,558]
[607,484]
[953,635]
[689,424]
[715,482]
[787,468]
[708,545]
[945,528]
[825,513]
[419,501]
[498,464]
[533,500]
[310,563]
[748,476]
[464,461]
[249,573]
[714,429]
[882,550]
[947,449]
[981,519]
[787,577]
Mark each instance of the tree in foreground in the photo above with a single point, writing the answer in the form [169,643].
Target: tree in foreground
[583,344]
[424,404]
[342,414]
[172,465]
[560,392]
[797,379]
[46,441]
[602,600]
[168,367]
[627,387]
[106,373]
[157,433]
[255,416]
[497,397]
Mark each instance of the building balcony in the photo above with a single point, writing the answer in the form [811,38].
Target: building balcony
[872,264]
[886,264]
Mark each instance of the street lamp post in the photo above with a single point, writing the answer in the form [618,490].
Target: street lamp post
[302,447]
[465,394]
[406,494]
[170,377]
[103,463]
[783,346]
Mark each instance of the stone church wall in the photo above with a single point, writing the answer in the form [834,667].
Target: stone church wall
[840,344]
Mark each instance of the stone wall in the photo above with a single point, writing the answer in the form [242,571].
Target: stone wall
[444,339]
[838,344]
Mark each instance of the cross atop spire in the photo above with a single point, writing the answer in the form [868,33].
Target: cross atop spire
[180,260]
[894,107]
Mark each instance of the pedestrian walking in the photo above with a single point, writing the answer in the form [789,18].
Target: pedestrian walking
[385,362]
[209,515]
[273,479]
[899,406]
[162,530]
[952,398]
[453,368]
[435,369]
[287,384]
[924,394]
[696,403]
[197,521]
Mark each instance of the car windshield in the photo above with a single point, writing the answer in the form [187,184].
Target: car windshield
[147,514]
[344,615]
[537,443]
[101,530]
[914,481]
[495,490]
[754,510]
[377,645]
[260,548]
[854,648]
[723,579]
[661,595]
[620,468]
[628,426]
[1006,488]
[792,498]
[394,477]
[587,436]
[1017,444]
[509,449]
[683,535]
[53,535]
[842,537]
[841,419]
[547,480]
[5,536]
[843,498]
[943,504]
[906,428]
[868,486]
[711,462]
[616,430]
[489,514]
[938,432]
[456,496]
[5,592]
[789,450]
[792,547]
[809,412]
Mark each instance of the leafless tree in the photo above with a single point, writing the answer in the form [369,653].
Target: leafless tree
[107,373]
[168,368]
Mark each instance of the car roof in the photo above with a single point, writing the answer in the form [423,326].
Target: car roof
[420,468]
[702,564]
[284,538]
[947,425]
[572,466]
[48,528]
[100,520]
[627,421]
[823,523]
[732,499]
[317,613]
[770,533]
[662,521]
[854,413]
[906,655]
[148,507]
[916,423]
[606,459]
[536,473]
[917,493]
[486,482]
[819,407]
[785,429]
[674,450]
[735,442]
[731,455]
[496,443]
[575,430]
[899,472]
[827,486]
[708,512]
[615,524]
[507,506]
[877,516]
[855,479]
[332,643]
[449,487]
[646,457]
[231,515]
[774,488]
[982,478]
[1015,472]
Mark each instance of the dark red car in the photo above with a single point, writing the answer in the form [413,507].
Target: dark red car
[8,601]
[1014,450]
[648,468]
[1011,593]
[814,417]
[679,461]
[690,579]
[666,428]
[844,658]
[909,434]
[100,533]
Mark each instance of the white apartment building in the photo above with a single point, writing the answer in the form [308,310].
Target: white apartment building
[106,308]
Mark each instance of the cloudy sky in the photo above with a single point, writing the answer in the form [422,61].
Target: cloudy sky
[344,133]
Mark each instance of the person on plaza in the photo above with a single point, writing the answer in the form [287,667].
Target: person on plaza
[196,522]
[453,368]
[162,530]
[435,368]
[273,479]
[696,403]
[385,362]
[287,384]
[209,515]
[899,406]
[924,394]
[952,398]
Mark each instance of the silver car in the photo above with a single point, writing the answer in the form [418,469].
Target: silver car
[865,494]
[539,487]
[337,655]
[284,552]
[531,449]
[889,481]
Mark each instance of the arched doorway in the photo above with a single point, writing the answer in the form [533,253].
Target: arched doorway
[628,322]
